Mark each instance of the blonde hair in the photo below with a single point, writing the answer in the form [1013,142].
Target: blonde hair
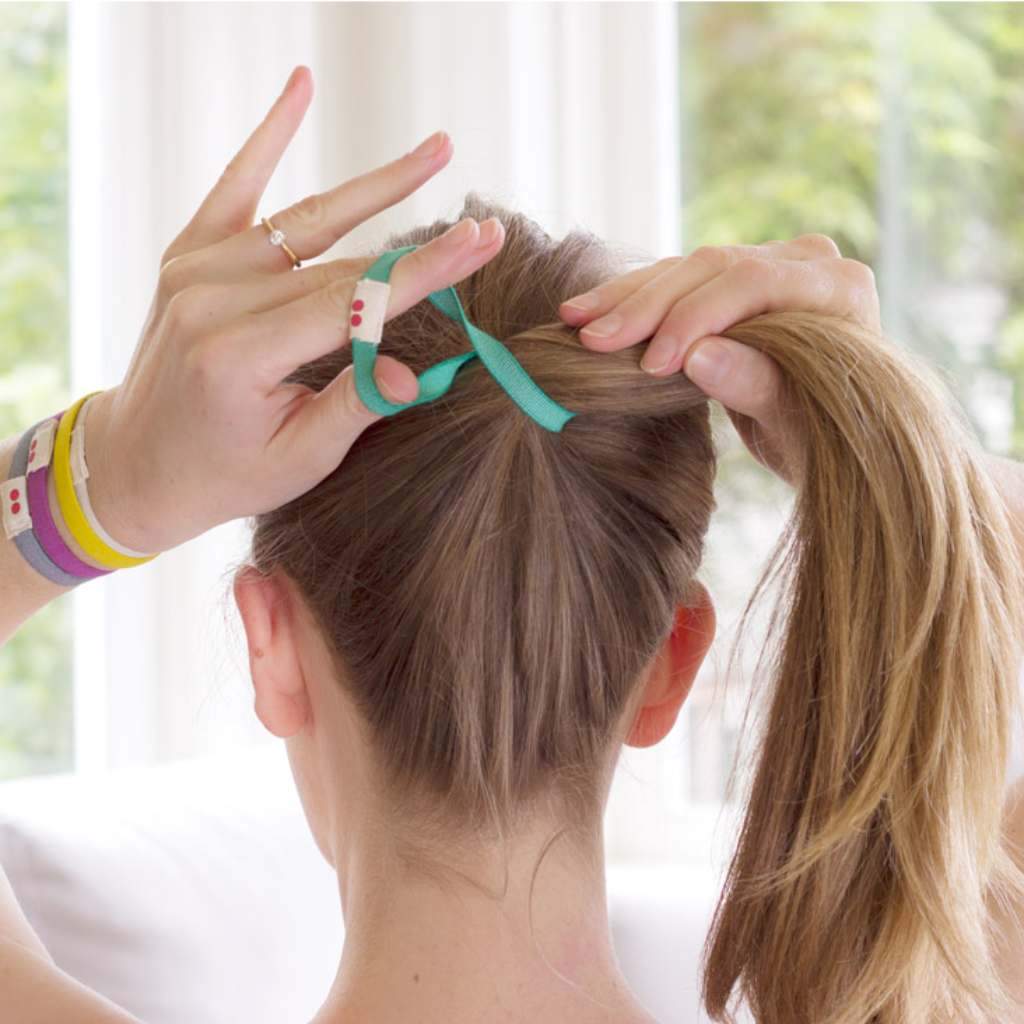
[494,592]
[871,840]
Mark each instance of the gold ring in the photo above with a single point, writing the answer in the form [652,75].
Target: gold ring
[277,238]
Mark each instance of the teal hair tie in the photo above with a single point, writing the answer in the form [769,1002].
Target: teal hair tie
[369,305]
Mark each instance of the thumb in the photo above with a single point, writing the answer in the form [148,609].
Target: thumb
[738,376]
[330,421]
[749,384]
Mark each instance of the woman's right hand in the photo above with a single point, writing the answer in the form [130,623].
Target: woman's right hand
[203,428]
[684,303]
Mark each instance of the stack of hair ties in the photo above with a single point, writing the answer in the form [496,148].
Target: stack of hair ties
[46,507]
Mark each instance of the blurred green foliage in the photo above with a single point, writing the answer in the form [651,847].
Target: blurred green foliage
[35,665]
[843,119]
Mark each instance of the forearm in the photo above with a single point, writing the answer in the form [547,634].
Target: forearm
[23,591]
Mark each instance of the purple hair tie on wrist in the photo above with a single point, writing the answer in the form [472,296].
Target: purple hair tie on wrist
[46,530]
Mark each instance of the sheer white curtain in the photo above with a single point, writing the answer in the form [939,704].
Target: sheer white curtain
[568,111]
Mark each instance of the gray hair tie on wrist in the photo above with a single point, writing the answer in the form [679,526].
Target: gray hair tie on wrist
[27,542]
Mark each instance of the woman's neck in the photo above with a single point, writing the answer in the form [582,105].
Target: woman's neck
[441,950]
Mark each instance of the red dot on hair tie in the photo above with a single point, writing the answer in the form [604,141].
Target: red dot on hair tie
[358,304]
[16,507]
[356,319]
[15,494]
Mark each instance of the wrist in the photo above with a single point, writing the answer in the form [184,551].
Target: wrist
[113,493]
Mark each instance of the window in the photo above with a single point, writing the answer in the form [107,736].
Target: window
[821,118]
[36,728]
[794,118]
[817,117]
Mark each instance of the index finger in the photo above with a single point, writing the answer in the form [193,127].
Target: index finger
[319,322]
[230,205]
[692,270]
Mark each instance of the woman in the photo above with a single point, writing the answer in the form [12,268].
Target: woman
[456,618]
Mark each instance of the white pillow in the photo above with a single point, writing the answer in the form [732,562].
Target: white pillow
[184,892]
[660,915]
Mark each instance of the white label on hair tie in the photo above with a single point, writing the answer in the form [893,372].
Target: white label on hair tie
[369,307]
[79,470]
[41,450]
[14,495]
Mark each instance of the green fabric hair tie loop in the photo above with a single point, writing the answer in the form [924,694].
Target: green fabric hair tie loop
[369,305]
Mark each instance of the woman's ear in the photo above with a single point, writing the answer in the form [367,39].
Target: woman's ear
[674,670]
[265,605]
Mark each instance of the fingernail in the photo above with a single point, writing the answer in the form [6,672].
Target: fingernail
[708,364]
[658,355]
[605,327]
[588,300]
[386,390]
[488,232]
[430,146]
[461,231]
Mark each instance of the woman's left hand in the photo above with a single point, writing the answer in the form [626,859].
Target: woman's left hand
[684,303]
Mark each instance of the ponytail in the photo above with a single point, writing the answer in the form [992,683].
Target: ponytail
[871,841]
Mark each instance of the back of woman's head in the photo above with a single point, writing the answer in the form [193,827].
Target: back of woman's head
[492,593]
[493,590]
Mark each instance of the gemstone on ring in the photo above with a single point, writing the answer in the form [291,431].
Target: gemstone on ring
[276,237]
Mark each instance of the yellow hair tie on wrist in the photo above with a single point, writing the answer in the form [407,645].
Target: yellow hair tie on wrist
[70,508]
